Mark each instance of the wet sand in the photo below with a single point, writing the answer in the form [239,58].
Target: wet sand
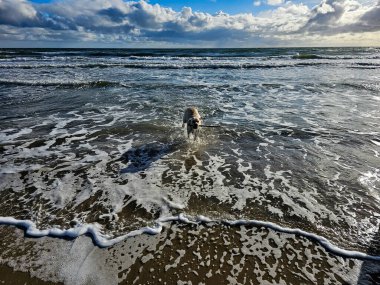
[181,254]
[8,276]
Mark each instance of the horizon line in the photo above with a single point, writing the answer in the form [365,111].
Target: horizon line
[187,48]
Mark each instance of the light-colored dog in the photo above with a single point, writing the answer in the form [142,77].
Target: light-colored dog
[193,120]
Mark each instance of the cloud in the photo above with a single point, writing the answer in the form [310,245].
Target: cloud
[343,16]
[139,21]
[275,2]
[371,18]
[256,3]
[17,13]
[326,14]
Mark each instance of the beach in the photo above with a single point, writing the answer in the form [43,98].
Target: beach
[100,185]
[199,254]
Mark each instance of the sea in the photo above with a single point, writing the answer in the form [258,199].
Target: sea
[92,146]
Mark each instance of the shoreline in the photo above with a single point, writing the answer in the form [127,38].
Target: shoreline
[103,241]
[201,254]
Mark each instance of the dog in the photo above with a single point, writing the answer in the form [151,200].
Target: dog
[193,120]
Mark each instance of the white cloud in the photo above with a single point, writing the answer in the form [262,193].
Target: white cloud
[139,21]
[275,2]
[343,16]
[256,3]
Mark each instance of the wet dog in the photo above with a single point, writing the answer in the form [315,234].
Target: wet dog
[193,120]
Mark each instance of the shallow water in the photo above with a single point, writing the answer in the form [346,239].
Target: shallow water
[93,137]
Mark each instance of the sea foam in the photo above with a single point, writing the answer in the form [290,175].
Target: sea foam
[102,240]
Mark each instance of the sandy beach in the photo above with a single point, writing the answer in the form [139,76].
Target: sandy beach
[199,254]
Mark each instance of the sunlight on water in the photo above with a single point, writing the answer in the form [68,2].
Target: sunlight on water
[97,140]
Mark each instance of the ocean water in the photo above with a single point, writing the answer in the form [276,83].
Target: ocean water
[91,142]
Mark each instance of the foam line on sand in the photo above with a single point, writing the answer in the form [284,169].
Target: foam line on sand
[103,240]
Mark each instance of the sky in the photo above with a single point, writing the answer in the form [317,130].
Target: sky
[185,23]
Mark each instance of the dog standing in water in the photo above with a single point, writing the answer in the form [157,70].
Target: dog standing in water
[193,120]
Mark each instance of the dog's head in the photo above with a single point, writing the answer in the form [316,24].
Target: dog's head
[194,123]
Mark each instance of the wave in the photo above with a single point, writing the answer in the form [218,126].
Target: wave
[182,52]
[165,65]
[105,83]
[89,84]
[331,57]
[147,85]
[154,85]
[363,86]
[306,56]
[187,53]
[103,241]
[366,65]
